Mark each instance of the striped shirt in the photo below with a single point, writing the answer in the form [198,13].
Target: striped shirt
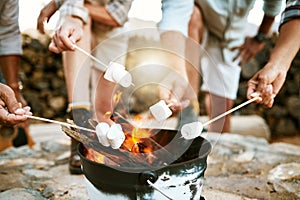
[291,11]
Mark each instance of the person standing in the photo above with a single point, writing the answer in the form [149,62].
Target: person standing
[224,22]
[87,23]
[286,47]
[10,51]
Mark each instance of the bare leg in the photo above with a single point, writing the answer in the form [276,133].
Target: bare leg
[196,28]
[10,69]
[77,70]
[216,105]
[77,77]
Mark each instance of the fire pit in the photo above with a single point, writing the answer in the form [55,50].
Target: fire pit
[181,179]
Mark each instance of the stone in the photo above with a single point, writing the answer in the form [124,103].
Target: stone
[53,146]
[35,174]
[285,172]
[284,181]
[244,157]
[239,185]
[219,195]
[21,194]
[284,148]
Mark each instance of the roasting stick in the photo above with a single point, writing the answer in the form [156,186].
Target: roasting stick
[60,123]
[92,57]
[194,129]
[113,72]
[231,110]
[159,190]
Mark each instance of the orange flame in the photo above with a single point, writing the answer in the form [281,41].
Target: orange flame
[117,97]
[135,137]
[95,156]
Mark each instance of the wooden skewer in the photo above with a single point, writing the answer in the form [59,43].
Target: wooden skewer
[60,123]
[103,65]
[230,111]
[92,57]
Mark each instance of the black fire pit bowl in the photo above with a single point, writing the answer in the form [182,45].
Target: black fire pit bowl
[188,169]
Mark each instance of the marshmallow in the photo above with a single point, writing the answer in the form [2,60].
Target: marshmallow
[160,110]
[117,73]
[191,130]
[101,132]
[115,136]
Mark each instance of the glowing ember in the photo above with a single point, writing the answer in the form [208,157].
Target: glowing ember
[95,156]
[137,140]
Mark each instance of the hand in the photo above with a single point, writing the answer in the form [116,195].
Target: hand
[248,50]
[175,90]
[270,76]
[67,35]
[45,15]
[11,112]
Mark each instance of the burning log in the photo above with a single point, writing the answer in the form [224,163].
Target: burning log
[117,156]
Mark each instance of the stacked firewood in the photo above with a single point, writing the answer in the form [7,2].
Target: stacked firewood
[42,77]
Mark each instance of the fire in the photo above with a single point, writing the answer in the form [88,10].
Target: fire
[136,142]
[117,97]
[136,139]
[95,156]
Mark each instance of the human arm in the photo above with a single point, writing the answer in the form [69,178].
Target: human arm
[253,45]
[70,32]
[73,16]
[274,72]
[45,15]
[11,112]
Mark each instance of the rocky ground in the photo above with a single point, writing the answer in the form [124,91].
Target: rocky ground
[240,167]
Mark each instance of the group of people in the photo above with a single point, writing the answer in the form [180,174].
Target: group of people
[88,23]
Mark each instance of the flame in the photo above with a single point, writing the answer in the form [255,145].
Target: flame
[135,138]
[117,97]
[95,156]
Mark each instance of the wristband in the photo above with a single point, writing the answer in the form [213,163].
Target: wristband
[261,37]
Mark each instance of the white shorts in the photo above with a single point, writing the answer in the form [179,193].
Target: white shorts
[176,15]
[219,78]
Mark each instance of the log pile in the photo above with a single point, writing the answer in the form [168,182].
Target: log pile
[42,76]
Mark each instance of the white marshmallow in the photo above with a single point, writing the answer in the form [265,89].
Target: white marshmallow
[191,130]
[118,74]
[160,110]
[101,132]
[115,136]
